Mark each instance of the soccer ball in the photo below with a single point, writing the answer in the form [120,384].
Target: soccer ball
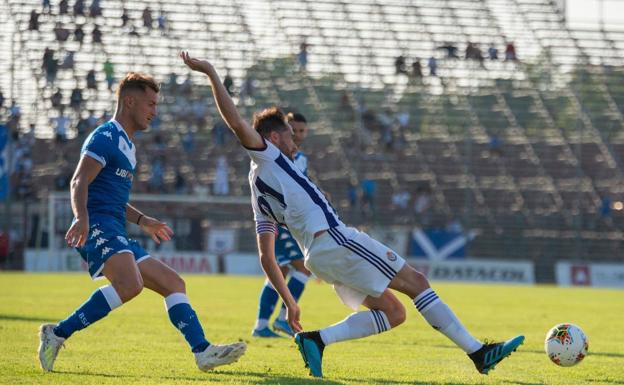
[566,344]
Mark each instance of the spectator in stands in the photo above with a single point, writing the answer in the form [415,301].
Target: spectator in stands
[92,120]
[180,183]
[95,10]
[79,34]
[302,56]
[422,200]
[51,67]
[399,65]
[346,107]
[61,181]
[400,200]
[148,21]
[124,18]
[61,33]
[61,123]
[199,111]
[188,141]
[493,52]
[228,83]
[157,176]
[417,69]
[96,35]
[57,99]
[82,127]
[172,84]
[605,209]
[369,188]
[155,123]
[46,7]
[79,8]
[68,61]
[75,100]
[91,81]
[496,146]
[109,72]
[510,52]
[221,182]
[33,22]
[63,7]
[162,23]
[433,66]
[186,88]
[352,194]
[218,132]
[473,52]
[451,50]
[247,90]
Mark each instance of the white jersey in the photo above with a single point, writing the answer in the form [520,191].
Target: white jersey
[282,194]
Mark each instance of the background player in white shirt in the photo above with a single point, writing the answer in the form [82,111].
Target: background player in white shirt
[361,269]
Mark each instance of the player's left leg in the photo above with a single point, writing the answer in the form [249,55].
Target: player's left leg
[165,281]
[299,276]
[441,317]
[385,313]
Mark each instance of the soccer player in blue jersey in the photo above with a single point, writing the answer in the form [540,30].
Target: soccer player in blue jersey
[100,190]
[361,269]
[288,254]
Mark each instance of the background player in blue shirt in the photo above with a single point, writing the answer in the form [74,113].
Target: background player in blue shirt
[100,191]
[287,252]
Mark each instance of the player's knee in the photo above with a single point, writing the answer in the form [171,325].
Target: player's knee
[396,313]
[129,289]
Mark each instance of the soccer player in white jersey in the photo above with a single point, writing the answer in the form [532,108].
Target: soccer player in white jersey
[100,191]
[361,269]
[288,254]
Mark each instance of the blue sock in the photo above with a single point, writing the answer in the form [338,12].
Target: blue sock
[268,300]
[296,284]
[184,318]
[102,301]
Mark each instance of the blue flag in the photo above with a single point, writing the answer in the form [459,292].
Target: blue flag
[4,162]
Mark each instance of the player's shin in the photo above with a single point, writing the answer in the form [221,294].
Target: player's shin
[184,318]
[356,325]
[442,318]
[101,302]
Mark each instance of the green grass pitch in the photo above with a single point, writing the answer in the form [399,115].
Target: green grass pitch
[136,344]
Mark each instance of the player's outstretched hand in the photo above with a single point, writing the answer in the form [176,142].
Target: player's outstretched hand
[78,232]
[292,315]
[196,64]
[157,230]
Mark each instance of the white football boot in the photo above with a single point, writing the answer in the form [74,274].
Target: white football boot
[49,346]
[217,355]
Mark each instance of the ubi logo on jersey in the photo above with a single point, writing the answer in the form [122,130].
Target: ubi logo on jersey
[124,173]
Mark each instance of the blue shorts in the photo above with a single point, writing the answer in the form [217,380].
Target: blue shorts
[286,248]
[107,237]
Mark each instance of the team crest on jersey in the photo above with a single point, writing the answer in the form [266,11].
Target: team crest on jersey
[123,240]
[391,256]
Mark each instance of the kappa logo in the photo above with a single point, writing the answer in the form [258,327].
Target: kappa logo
[100,241]
[391,256]
[106,250]
[181,325]
[122,240]
[96,232]
[108,134]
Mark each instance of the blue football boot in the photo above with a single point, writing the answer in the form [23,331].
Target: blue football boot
[311,347]
[490,354]
[265,332]
[283,326]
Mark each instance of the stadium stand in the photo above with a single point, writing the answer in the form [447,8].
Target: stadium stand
[524,151]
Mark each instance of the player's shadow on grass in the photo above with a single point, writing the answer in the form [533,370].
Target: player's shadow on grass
[14,317]
[263,378]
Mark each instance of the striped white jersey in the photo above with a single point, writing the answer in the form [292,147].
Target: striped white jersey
[282,194]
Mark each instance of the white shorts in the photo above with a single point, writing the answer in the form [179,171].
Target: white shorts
[357,265]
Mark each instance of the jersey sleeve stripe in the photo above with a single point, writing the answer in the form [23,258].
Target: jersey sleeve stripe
[96,157]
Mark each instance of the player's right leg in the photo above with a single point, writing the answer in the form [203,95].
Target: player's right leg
[166,282]
[126,283]
[385,313]
[440,317]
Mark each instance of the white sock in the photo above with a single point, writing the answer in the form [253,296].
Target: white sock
[111,296]
[443,320]
[261,324]
[357,325]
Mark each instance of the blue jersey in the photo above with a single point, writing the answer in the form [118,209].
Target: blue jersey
[301,161]
[110,190]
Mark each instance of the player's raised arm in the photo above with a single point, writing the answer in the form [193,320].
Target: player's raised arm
[243,131]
